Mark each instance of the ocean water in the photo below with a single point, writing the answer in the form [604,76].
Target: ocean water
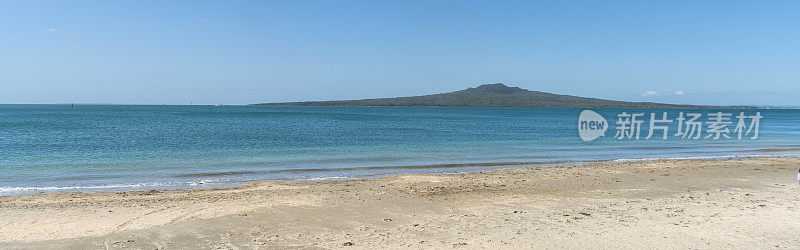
[124,147]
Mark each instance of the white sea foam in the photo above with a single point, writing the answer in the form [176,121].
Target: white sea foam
[706,157]
[327,178]
[18,190]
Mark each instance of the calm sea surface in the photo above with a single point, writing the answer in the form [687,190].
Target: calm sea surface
[115,147]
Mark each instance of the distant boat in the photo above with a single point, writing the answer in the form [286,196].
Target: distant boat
[218,105]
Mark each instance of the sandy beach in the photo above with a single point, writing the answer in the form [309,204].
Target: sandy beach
[726,203]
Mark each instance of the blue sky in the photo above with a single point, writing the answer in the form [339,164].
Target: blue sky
[239,52]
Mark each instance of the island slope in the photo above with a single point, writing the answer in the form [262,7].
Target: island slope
[493,95]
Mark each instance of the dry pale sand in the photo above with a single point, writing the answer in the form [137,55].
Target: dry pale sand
[742,203]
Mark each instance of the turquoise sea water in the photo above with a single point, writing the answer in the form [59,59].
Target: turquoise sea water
[119,147]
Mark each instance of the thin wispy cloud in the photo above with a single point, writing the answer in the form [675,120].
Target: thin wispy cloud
[650,93]
[54,30]
[75,48]
[68,33]
[680,92]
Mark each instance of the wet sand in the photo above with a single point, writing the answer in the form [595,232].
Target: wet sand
[666,204]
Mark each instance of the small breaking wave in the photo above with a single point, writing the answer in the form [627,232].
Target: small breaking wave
[708,157]
[21,190]
[346,173]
